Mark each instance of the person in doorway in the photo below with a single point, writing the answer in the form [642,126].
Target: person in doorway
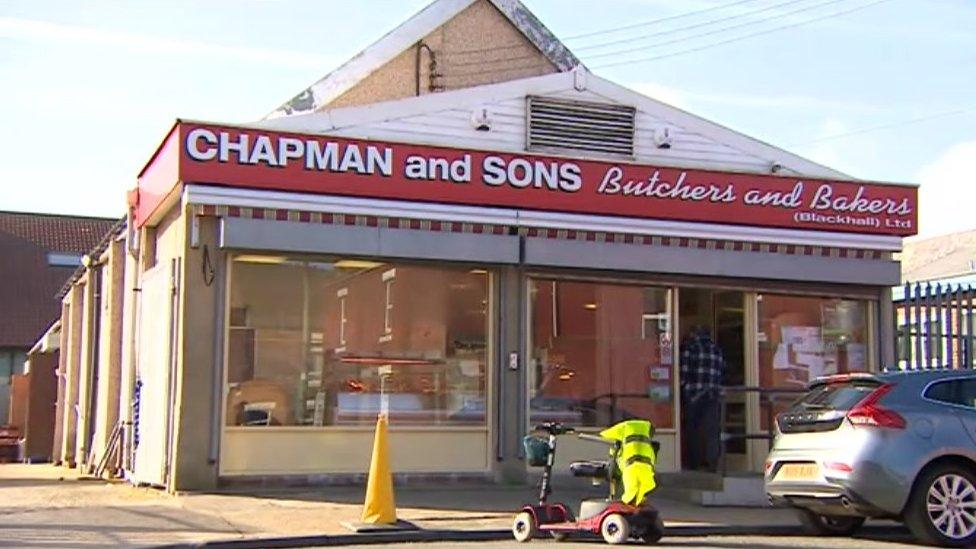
[700,378]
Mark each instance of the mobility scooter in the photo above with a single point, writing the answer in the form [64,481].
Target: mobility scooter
[614,520]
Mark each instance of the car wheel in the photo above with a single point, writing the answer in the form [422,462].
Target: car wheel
[942,507]
[827,525]
[524,527]
[615,529]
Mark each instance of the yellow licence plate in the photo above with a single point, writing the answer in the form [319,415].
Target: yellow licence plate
[798,471]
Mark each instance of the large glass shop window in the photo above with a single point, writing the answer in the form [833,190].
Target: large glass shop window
[802,338]
[319,343]
[600,353]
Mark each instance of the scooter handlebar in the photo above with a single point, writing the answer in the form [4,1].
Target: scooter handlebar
[554,428]
[595,438]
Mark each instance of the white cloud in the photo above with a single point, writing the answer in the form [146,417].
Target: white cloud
[30,29]
[948,191]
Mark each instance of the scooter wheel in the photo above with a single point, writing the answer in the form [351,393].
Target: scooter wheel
[654,532]
[559,536]
[652,536]
[615,529]
[524,527]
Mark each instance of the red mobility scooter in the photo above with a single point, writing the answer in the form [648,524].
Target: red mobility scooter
[615,521]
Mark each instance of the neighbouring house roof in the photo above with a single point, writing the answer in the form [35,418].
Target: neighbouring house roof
[115,231]
[56,233]
[409,33]
[941,257]
[29,282]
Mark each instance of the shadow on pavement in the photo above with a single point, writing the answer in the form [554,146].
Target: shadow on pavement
[111,526]
[32,483]
[484,498]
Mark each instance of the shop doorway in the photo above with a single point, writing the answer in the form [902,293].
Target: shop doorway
[720,316]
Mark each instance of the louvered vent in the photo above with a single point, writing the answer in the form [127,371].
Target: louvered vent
[580,126]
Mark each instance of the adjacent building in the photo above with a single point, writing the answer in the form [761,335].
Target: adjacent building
[935,302]
[466,229]
[40,252]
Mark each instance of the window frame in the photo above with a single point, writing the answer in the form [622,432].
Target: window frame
[488,426]
[388,278]
[540,277]
[934,382]
[341,295]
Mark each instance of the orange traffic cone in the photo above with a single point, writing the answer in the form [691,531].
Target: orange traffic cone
[380,508]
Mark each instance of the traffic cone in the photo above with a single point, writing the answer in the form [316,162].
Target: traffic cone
[380,508]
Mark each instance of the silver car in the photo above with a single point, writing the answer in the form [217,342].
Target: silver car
[892,445]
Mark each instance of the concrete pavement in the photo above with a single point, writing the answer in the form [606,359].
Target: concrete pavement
[46,506]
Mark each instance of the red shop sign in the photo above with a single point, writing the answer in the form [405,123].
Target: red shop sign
[260,159]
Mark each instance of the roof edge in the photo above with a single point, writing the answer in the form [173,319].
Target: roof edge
[51,214]
[117,229]
[408,33]
[538,34]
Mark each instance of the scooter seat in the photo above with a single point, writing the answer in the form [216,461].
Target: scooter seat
[590,469]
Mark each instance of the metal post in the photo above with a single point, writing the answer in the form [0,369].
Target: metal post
[949,332]
[939,325]
[957,301]
[723,441]
[971,359]
[917,326]
[903,327]
[930,340]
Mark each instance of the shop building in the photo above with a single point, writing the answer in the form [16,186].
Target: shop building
[473,255]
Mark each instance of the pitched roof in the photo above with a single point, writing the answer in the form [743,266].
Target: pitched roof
[30,284]
[56,233]
[410,32]
[940,257]
[357,121]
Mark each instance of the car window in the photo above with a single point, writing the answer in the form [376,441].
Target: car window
[961,392]
[835,396]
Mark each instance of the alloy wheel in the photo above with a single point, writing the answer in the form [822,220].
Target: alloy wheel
[951,505]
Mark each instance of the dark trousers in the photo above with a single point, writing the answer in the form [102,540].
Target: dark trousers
[701,429]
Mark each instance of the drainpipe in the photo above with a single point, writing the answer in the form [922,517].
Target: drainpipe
[220,331]
[133,272]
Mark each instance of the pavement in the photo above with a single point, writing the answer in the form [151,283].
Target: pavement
[48,506]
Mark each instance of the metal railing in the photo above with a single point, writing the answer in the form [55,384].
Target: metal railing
[935,326]
[768,398]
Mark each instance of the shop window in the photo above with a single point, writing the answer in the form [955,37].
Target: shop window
[311,356]
[802,338]
[600,353]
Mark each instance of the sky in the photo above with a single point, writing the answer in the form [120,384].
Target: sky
[879,89]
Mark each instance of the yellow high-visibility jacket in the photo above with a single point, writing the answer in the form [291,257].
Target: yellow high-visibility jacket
[636,458]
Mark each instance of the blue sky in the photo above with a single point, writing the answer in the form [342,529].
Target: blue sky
[91,87]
